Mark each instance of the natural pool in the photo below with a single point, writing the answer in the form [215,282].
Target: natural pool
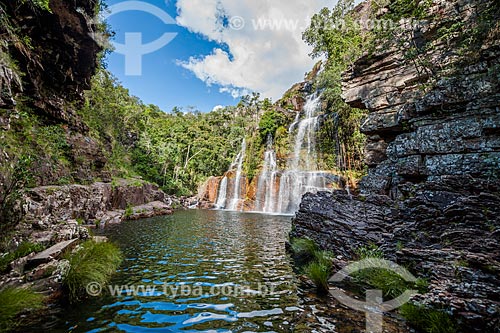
[195,271]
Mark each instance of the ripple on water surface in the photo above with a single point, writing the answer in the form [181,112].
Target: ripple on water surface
[195,271]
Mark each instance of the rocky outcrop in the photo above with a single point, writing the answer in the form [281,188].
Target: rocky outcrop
[53,214]
[447,232]
[58,217]
[438,114]
[208,192]
[53,50]
[48,205]
[431,198]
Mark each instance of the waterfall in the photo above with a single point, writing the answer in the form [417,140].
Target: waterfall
[280,191]
[295,122]
[222,195]
[302,175]
[233,204]
[266,194]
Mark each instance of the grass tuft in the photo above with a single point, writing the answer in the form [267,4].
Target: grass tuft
[304,247]
[13,301]
[93,262]
[391,284]
[319,274]
[371,251]
[129,211]
[317,264]
[428,320]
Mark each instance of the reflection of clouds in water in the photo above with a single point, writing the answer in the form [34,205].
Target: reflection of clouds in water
[200,249]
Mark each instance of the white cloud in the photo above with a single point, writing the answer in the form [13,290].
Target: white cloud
[266,60]
[218,107]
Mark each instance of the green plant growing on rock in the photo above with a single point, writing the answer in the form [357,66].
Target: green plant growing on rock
[319,273]
[428,320]
[129,211]
[22,250]
[317,264]
[91,263]
[39,4]
[13,301]
[391,284]
[304,247]
[14,177]
[370,251]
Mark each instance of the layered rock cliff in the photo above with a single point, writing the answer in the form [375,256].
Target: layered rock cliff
[431,198]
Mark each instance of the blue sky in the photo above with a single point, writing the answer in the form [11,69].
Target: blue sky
[209,62]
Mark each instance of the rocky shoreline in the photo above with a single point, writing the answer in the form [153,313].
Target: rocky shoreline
[57,218]
[443,235]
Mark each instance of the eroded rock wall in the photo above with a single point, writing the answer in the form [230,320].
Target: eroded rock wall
[51,212]
[437,113]
[47,60]
[431,198]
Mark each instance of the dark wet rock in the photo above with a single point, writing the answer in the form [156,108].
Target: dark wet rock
[446,231]
[431,200]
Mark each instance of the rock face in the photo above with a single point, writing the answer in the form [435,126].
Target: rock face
[431,198]
[447,231]
[59,59]
[54,214]
[49,205]
[47,59]
[436,117]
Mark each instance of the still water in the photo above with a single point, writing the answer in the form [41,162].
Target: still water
[195,271]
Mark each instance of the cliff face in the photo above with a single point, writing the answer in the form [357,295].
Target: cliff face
[47,59]
[431,198]
[53,51]
[433,101]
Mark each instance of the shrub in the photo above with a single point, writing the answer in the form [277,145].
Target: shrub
[93,262]
[13,301]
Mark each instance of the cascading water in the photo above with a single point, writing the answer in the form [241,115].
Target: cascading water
[233,204]
[222,196]
[280,191]
[266,192]
[302,175]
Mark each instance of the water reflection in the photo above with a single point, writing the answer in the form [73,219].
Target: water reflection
[200,271]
